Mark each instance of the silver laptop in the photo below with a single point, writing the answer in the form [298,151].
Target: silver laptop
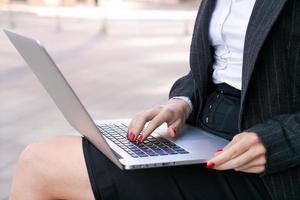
[193,146]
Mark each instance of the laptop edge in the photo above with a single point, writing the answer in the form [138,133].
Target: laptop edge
[83,122]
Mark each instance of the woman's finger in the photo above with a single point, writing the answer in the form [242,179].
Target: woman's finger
[234,150]
[254,169]
[173,110]
[138,122]
[153,124]
[234,140]
[240,160]
[175,127]
[253,154]
[261,160]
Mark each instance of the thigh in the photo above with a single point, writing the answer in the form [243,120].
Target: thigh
[176,183]
[198,182]
[285,184]
[60,162]
[111,183]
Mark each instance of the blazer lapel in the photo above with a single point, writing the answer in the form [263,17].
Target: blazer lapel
[200,53]
[264,15]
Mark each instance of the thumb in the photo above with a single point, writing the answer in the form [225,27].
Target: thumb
[175,128]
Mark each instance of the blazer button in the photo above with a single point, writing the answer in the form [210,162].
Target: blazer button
[206,120]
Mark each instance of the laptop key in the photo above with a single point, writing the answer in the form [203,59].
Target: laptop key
[134,156]
[161,152]
[137,151]
[182,151]
[117,133]
[130,146]
[169,151]
[143,155]
[177,148]
[151,153]
[152,139]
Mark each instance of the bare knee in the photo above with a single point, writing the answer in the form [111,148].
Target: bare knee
[29,175]
[41,159]
[40,156]
[28,158]
[32,169]
[52,168]
[35,167]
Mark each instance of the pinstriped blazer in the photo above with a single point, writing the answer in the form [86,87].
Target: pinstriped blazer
[270,99]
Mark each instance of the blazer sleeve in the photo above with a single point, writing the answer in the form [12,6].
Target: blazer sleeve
[281,137]
[186,86]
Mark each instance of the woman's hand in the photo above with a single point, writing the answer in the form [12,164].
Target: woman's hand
[174,113]
[244,153]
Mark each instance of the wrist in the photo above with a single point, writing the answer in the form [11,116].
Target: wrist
[182,105]
[188,101]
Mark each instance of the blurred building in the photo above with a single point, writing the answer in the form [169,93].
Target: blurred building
[76,2]
[52,2]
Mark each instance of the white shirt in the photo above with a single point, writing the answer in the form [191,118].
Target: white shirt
[227,33]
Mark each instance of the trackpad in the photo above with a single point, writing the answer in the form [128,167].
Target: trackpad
[194,139]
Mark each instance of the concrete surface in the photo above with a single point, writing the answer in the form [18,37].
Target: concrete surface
[116,75]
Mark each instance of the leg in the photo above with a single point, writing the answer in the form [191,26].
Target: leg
[52,169]
[288,181]
[176,183]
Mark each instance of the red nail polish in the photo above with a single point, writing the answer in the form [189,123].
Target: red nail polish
[174,131]
[139,139]
[132,136]
[128,135]
[218,150]
[210,164]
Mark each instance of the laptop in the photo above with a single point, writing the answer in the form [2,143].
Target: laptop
[193,146]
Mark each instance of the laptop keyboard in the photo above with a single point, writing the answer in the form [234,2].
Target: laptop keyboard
[152,146]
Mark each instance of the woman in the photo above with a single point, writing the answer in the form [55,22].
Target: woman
[244,85]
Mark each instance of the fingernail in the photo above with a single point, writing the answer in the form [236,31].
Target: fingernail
[128,135]
[174,131]
[139,139]
[131,137]
[218,151]
[210,165]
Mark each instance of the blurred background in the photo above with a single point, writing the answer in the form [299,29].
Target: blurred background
[120,56]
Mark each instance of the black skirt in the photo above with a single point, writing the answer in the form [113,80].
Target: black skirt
[220,115]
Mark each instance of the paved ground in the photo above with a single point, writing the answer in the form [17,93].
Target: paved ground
[115,75]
